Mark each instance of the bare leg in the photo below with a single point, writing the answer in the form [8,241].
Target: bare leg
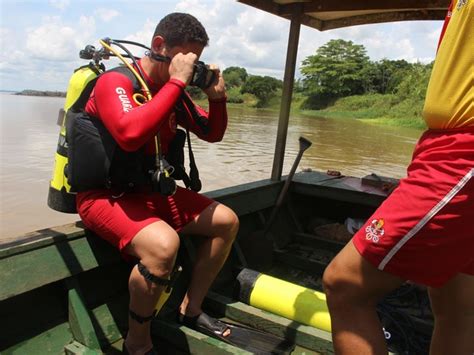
[156,246]
[220,225]
[453,309]
[353,287]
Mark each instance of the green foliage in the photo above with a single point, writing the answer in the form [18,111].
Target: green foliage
[234,95]
[263,87]
[317,102]
[415,82]
[357,102]
[234,76]
[378,108]
[337,69]
[340,81]
[298,86]
[385,75]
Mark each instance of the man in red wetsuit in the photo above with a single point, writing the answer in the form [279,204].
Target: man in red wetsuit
[424,231]
[140,222]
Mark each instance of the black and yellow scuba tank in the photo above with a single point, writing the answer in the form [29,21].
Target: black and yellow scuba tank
[60,196]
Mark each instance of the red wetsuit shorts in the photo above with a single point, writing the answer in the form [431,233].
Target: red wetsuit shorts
[424,231]
[118,218]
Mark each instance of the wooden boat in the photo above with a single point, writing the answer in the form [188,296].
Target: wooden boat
[62,289]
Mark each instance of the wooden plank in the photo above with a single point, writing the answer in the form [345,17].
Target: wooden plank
[52,341]
[369,5]
[338,193]
[79,319]
[248,200]
[303,335]
[351,13]
[52,263]
[42,238]
[192,341]
[425,15]
[76,348]
[106,325]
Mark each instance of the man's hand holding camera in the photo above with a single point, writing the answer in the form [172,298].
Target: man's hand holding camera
[217,89]
[186,68]
[182,67]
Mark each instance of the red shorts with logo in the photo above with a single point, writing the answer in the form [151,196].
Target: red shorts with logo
[424,231]
[119,219]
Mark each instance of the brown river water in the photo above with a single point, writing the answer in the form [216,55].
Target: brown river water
[29,134]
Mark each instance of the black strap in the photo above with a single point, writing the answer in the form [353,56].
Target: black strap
[195,183]
[150,277]
[139,318]
[80,103]
[200,120]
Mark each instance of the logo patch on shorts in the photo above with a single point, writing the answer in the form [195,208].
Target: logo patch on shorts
[374,231]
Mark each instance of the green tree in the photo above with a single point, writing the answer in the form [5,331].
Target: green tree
[263,87]
[415,82]
[385,75]
[234,76]
[336,70]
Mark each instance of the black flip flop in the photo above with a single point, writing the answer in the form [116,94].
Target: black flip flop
[253,340]
[205,324]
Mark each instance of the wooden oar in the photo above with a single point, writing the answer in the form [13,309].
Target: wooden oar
[258,246]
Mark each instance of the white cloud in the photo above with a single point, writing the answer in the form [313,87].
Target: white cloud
[106,14]
[59,4]
[10,56]
[240,36]
[54,40]
[142,36]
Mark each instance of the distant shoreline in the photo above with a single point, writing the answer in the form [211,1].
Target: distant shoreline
[41,93]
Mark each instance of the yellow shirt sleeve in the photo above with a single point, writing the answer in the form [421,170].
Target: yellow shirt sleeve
[450,97]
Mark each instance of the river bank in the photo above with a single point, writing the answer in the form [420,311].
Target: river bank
[376,109]
[41,93]
[370,108]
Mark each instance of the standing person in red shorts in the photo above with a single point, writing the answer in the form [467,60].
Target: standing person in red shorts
[423,232]
[128,211]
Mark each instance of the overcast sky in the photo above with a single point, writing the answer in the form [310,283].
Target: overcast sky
[40,39]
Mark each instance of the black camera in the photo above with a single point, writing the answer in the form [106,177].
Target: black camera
[203,77]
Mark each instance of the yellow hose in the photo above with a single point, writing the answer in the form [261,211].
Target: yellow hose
[144,86]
